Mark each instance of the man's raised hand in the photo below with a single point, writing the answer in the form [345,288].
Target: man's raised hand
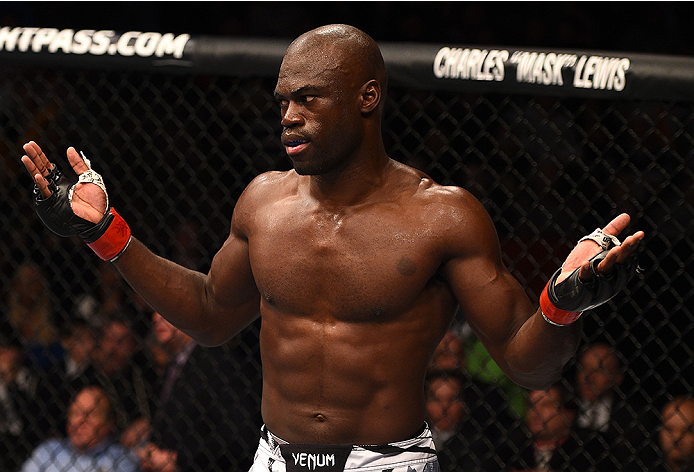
[88,200]
[82,208]
[594,272]
[586,249]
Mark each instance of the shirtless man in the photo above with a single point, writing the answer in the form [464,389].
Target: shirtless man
[356,264]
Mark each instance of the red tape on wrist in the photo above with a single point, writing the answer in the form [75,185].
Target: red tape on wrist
[555,315]
[114,240]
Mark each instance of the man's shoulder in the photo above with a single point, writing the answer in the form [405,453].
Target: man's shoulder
[453,207]
[269,186]
[420,188]
[263,192]
[273,178]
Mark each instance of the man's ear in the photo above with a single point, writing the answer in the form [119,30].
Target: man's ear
[370,96]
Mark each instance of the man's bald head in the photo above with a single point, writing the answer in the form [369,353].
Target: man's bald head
[331,93]
[343,48]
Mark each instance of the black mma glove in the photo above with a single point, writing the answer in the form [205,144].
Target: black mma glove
[108,238]
[563,303]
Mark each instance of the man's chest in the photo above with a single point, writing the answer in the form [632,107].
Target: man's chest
[359,263]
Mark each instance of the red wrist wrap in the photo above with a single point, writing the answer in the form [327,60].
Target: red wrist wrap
[555,315]
[114,240]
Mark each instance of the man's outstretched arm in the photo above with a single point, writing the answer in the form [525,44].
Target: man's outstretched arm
[531,346]
[211,308]
[211,311]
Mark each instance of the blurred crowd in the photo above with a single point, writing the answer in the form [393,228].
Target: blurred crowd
[116,387]
[584,422]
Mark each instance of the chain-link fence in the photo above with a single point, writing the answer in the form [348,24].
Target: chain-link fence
[176,150]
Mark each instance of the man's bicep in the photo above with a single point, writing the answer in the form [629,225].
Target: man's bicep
[491,299]
[231,297]
[230,280]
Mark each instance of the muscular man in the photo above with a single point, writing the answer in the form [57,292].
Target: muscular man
[355,262]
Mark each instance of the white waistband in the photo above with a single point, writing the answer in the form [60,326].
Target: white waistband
[418,450]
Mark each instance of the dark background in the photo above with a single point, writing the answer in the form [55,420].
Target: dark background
[651,27]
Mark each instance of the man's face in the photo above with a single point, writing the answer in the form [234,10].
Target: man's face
[677,435]
[87,419]
[317,93]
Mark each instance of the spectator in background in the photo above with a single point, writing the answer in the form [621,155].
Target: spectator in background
[178,346]
[676,435]
[209,412]
[500,392]
[30,318]
[106,300]
[464,441]
[17,396]
[598,376]
[158,354]
[128,376]
[90,444]
[449,355]
[485,402]
[606,415]
[548,441]
[446,407]
[75,371]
